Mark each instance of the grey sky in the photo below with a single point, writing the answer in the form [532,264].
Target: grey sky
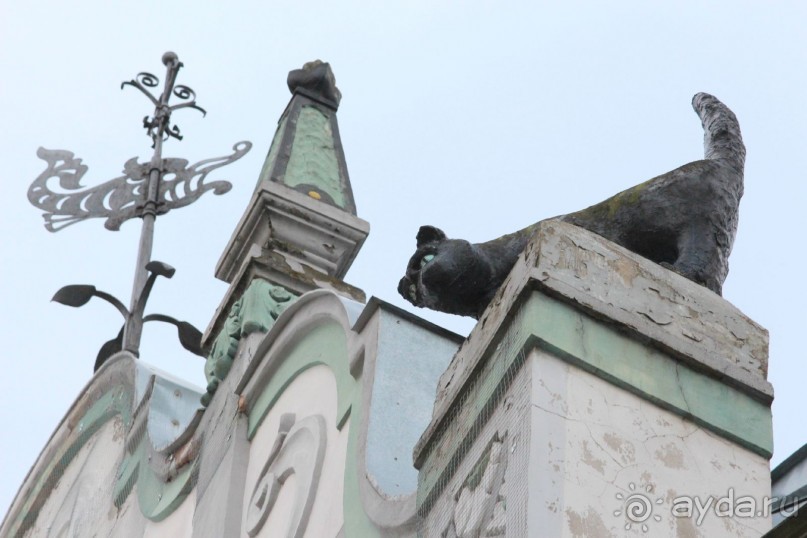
[477,117]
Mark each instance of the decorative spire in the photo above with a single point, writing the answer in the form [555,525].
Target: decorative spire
[299,232]
[306,153]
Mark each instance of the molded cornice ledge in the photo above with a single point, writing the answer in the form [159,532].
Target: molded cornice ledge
[278,216]
[290,240]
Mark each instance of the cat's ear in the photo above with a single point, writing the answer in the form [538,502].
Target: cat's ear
[429,234]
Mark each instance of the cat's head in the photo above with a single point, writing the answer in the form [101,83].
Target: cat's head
[446,275]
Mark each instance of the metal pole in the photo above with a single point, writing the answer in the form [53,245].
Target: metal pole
[138,193]
[162,114]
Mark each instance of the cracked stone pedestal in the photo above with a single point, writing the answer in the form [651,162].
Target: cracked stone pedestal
[600,395]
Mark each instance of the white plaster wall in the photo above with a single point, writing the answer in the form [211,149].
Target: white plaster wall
[593,445]
[179,524]
[80,504]
[575,445]
[130,522]
[313,392]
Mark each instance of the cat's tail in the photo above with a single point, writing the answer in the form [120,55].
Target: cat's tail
[722,139]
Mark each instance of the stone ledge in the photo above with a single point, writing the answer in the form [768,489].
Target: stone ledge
[316,234]
[640,298]
[278,269]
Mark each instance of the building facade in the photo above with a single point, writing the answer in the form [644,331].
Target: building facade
[599,395]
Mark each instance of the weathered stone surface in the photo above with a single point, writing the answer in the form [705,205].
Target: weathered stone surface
[597,452]
[310,433]
[636,295]
[289,240]
[111,463]
[634,373]
[614,284]
[321,236]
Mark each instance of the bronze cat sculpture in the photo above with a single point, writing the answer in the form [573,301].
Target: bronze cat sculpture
[684,220]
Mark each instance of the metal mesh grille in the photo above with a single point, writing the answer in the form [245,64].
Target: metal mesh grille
[473,479]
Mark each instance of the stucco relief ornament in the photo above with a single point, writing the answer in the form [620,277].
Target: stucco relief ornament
[299,449]
[145,190]
[481,501]
[255,311]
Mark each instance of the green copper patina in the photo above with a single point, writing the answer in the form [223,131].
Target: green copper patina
[313,160]
[255,311]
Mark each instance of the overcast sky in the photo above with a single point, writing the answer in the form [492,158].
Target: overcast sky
[479,118]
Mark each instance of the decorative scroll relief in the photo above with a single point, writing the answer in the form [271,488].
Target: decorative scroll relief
[299,450]
[481,501]
[122,198]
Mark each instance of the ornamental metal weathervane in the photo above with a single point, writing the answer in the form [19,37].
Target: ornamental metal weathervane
[146,190]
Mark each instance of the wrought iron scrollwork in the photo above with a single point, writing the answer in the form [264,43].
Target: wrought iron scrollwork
[182,185]
[122,198]
[77,295]
[115,198]
[159,126]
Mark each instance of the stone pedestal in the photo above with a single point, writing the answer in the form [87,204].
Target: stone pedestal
[600,395]
[290,240]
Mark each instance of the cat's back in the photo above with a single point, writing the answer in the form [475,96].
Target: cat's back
[668,198]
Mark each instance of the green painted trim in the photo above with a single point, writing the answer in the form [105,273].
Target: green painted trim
[157,499]
[323,344]
[569,334]
[255,311]
[114,402]
[647,372]
[356,522]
